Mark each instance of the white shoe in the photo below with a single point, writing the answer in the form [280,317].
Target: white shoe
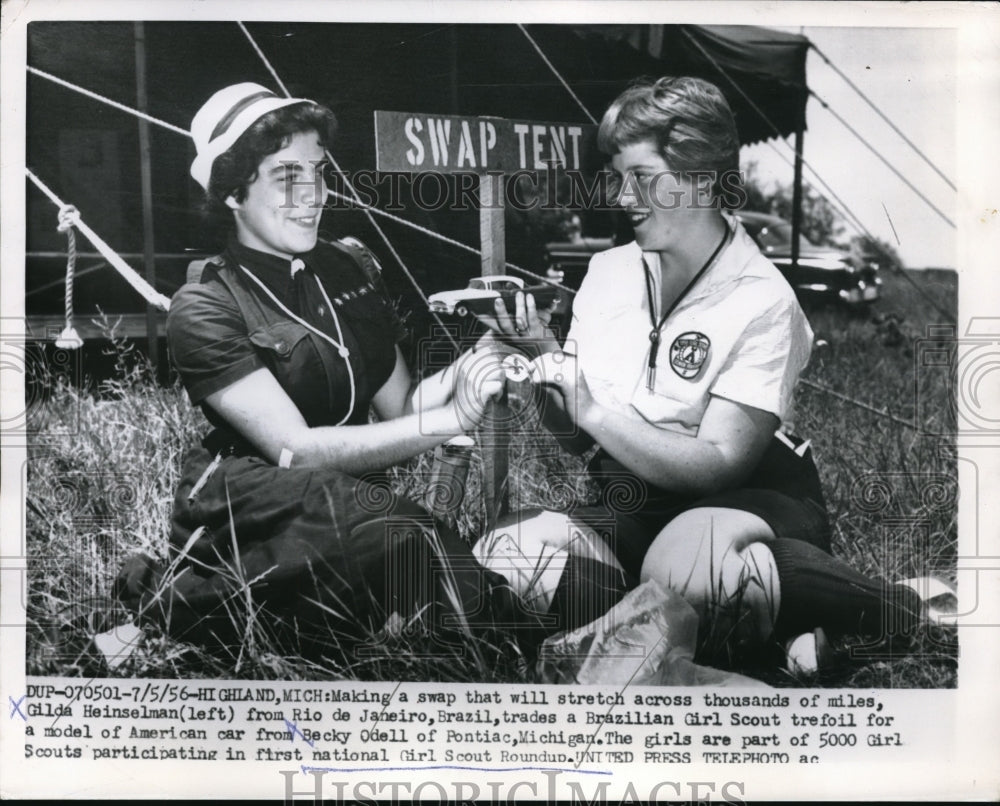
[807,654]
[939,599]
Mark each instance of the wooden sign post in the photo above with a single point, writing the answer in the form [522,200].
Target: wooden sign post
[497,421]
[493,148]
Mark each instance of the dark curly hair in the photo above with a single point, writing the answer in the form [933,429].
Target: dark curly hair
[236,168]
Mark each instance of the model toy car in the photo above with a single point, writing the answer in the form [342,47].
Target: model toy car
[482,292]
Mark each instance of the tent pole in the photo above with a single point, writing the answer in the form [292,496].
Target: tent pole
[145,174]
[797,198]
[453,67]
[496,430]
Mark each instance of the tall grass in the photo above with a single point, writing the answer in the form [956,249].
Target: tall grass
[891,489]
[103,491]
[100,481]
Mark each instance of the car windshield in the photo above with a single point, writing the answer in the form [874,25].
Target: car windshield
[778,237]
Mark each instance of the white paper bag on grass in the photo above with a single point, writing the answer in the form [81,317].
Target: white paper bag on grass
[647,639]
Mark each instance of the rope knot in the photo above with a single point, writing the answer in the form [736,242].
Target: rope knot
[68,218]
[69,339]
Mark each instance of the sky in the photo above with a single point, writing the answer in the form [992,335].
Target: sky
[909,73]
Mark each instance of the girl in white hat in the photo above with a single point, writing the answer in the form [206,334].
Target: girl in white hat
[287,342]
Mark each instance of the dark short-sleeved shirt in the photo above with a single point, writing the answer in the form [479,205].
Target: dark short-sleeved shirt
[212,344]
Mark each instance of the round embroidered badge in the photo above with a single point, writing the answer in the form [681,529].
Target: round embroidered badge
[688,354]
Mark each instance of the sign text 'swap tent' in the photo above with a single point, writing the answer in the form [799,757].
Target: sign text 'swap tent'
[92,154]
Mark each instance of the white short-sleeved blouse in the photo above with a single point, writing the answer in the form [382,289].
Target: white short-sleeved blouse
[739,334]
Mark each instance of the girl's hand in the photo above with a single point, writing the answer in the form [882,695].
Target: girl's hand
[527,323]
[479,377]
[561,370]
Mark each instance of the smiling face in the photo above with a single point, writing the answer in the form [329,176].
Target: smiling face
[657,200]
[281,210]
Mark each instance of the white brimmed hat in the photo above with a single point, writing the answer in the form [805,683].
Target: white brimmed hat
[224,117]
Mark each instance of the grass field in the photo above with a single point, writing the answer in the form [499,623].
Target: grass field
[103,468]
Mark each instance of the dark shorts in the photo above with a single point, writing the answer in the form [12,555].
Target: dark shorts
[319,560]
[784,491]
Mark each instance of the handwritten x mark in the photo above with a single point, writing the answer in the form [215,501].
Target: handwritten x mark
[15,707]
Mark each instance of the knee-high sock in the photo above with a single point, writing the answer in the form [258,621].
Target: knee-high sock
[818,590]
[587,590]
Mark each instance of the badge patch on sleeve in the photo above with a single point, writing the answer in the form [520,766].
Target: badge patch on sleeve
[688,354]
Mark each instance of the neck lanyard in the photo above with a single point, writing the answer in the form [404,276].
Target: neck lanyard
[654,333]
[339,345]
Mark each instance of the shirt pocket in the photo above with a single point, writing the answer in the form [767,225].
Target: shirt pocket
[293,358]
[367,308]
[279,340]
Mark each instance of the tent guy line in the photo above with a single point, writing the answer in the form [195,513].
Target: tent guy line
[876,152]
[852,218]
[98,97]
[882,115]
[263,58]
[555,72]
[760,112]
[152,296]
[354,193]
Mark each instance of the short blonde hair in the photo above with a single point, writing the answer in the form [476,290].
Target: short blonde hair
[688,119]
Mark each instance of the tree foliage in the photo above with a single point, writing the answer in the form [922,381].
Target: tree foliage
[822,223]
[875,250]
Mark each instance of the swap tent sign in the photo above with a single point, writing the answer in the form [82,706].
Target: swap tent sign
[413,142]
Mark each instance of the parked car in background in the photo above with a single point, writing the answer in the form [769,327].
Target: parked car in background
[823,274]
[567,264]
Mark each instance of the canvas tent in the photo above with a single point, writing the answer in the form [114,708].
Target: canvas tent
[768,66]
[90,153]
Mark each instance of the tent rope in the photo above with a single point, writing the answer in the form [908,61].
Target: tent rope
[134,279]
[451,241]
[264,59]
[556,73]
[878,154]
[859,225]
[882,115]
[854,401]
[108,101]
[77,273]
[357,198]
[933,303]
[69,339]
[830,194]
